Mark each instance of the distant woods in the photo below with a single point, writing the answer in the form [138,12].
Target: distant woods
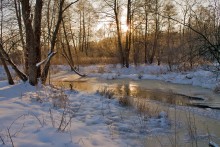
[181,33]
[38,33]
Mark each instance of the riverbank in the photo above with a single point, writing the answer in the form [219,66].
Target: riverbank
[38,116]
[207,76]
[203,76]
[46,116]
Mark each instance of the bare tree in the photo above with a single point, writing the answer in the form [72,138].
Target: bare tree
[33,34]
[69,55]
[128,34]
[10,80]
[115,6]
[155,48]
[169,10]
[19,17]
[147,9]
[6,57]
[51,53]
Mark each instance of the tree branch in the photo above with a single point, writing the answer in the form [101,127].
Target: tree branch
[69,5]
[213,50]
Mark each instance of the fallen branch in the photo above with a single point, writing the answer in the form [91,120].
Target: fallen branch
[213,144]
[67,59]
[6,57]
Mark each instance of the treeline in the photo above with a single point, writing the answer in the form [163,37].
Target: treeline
[159,31]
[167,31]
[38,33]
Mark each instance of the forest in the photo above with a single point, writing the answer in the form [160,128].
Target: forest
[115,73]
[38,33]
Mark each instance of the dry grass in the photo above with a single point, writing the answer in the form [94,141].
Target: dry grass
[143,108]
[105,92]
[97,60]
[125,101]
[101,69]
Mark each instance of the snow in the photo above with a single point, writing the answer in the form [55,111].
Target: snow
[199,76]
[46,60]
[213,144]
[31,116]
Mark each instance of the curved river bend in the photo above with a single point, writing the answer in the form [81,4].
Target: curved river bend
[180,101]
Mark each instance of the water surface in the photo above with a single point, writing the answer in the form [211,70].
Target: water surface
[166,97]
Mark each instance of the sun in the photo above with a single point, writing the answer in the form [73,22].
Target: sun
[124,27]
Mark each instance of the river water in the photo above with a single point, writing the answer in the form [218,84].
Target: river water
[195,109]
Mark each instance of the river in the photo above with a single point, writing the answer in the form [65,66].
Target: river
[193,110]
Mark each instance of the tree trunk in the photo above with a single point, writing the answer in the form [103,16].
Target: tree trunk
[88,37]
[68,46]
[45,71]
[84,32]
[80,32]
[30,42]
[6,57]
[146,52]
[156,33]
[116,9]
[37,32]
[82,75]
[74,45]
[128,35]
[25,52]
[10,80]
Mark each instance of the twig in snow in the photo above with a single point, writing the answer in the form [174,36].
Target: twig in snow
[68,123]
[3,142]
[9,134]
[51,117]
[71,117]
[32,114]
[18,130]
[16,120]
[62,119]
[8,130]
[81,141]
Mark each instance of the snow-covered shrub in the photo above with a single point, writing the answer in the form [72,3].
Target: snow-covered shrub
[125,101]
[118,73]
[101,69]
[106,93]
[140,75]
[60,99]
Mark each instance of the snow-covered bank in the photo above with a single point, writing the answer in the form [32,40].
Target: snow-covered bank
[204,76]
[39,116]
[26,118]
[201,76]
[35,116]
